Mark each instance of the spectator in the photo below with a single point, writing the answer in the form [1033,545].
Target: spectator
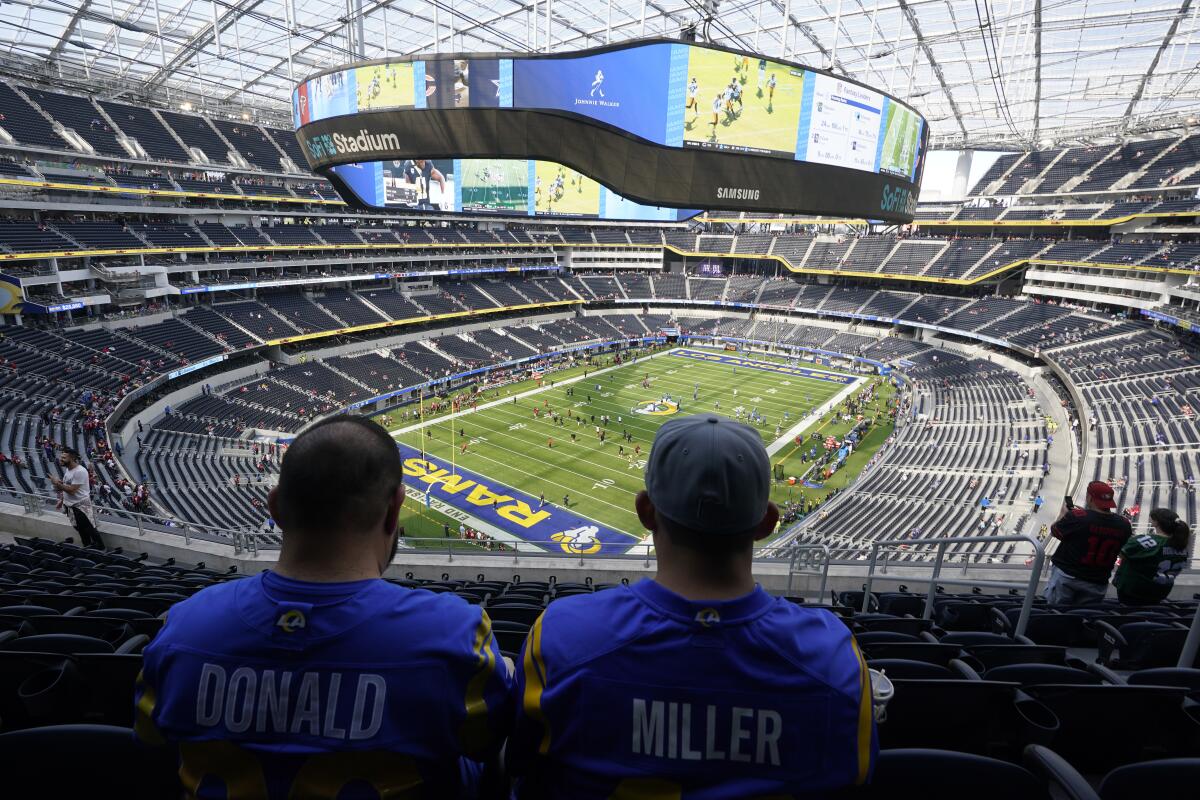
[1150,562]
[262,680]
[723,687]
[76,497]
[1090,538]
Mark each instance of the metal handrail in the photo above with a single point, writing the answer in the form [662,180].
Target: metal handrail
[809,555]
[1035,572]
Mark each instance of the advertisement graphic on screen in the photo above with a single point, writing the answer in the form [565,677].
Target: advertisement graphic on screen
[626,89]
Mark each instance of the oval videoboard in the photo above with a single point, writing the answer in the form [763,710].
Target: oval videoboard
[658,124]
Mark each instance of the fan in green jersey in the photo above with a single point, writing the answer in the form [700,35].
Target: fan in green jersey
[1150,562]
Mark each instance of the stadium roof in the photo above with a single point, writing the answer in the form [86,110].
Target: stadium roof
[987,73]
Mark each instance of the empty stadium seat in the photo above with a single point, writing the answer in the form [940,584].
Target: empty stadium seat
[947,775]
[1187,677]
[1102,726]
[1140,645]
[1169,777]
[104,761]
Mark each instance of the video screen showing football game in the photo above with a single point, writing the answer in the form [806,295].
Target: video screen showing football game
[499,185]
[735,102]
[563,191]
[901,141]
[419,184]
[384,86]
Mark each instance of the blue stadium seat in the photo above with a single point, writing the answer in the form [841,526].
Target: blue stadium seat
[1168,777]
[974,716]
[930,652]
[1187,677]
[946,775]
[104,761]
[909,669]
[1036,674]
[1140,645]
[1103,726]
[66,643]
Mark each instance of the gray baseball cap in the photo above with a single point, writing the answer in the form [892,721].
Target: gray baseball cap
[709,474]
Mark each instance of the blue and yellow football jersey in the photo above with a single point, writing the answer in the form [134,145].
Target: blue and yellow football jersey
[280,688]
[636,692]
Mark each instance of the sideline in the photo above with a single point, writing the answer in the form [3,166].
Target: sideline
[789,436]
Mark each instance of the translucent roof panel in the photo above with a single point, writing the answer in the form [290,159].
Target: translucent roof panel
[986,73]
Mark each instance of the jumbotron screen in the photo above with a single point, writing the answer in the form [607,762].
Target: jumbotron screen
[671,94]
[493,186]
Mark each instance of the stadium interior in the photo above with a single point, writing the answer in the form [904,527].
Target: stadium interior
[182,296]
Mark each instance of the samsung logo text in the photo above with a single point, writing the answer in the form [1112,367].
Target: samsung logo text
[734,193]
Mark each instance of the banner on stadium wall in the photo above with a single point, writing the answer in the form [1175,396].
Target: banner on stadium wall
[549,526]
[11,295]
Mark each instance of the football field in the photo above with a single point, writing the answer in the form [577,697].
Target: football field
[505,450]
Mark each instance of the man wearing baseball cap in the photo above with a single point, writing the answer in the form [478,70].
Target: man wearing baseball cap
[1089,541]
[696,683]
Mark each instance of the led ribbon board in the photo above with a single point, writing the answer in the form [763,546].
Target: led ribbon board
[631,131]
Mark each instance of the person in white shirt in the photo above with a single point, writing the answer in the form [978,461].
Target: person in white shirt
[77,497]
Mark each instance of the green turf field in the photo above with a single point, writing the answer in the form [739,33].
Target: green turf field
[510,446]
[765,120]
[494,184]
[902,131]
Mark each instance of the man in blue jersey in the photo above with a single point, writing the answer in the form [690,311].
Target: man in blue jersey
[696,685]
[318,676]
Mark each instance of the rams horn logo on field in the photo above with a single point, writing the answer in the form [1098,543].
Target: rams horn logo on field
[578,541]
[291,621]
[657,408]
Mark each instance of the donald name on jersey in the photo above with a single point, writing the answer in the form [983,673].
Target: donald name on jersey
[260,701]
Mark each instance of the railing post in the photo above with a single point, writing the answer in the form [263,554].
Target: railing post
[1035,574]
[824,571]
[932,591]
[792,570]
[870,577]
[141,530]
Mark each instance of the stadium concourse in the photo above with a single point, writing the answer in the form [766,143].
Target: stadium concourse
[182,297]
